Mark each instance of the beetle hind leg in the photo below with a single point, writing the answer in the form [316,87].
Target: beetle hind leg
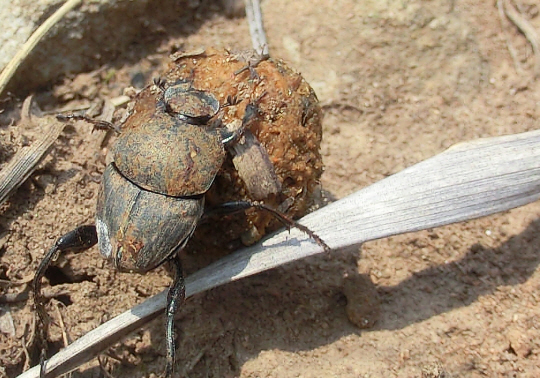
[78,240]
[175,297]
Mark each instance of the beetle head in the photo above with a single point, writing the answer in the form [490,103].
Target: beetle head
[192,105]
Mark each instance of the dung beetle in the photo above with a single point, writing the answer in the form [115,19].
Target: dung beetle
[151,197]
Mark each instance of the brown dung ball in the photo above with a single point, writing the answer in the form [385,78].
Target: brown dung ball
[276,162]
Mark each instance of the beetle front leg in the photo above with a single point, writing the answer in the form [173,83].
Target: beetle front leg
[98,124]
[175,297]
[231,137]
[78,240]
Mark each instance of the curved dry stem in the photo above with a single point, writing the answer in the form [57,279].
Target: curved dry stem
[29,45]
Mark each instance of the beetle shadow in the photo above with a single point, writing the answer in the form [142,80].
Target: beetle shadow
[301,306]
[442,288]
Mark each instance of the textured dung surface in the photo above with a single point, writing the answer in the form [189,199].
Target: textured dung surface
[288,126]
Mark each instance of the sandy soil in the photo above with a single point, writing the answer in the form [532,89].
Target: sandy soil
[399,81]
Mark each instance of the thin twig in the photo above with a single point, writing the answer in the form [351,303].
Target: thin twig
[104,368]
[21,55]
[527,29]
[61,324]
[23,281]
[27,359]
[509,46]
[256,27]
[24,295]
[26,345]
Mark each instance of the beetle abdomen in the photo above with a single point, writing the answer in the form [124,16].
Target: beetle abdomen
[139,229]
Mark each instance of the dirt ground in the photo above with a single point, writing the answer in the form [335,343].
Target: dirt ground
[399,81]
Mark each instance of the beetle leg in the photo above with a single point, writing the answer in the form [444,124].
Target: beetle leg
[236,206]
[251,113]
[78,240]
[252,64]
[175,297]
[98,124]
[159,82]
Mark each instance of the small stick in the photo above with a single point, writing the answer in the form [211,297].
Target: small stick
[526,28]
[256,27]
[509,46]
[104,368]
[34,39]
[65,337]
[28,359]
[23,281]
[24,295]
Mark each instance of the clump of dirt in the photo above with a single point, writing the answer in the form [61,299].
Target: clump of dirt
[287,130]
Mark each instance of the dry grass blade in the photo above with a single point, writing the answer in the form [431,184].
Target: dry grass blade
[26,159]
[467,181]
[12,66]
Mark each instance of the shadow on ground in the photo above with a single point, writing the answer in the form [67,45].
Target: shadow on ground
[302,306]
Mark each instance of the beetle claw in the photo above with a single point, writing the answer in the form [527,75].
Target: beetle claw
[160,83]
